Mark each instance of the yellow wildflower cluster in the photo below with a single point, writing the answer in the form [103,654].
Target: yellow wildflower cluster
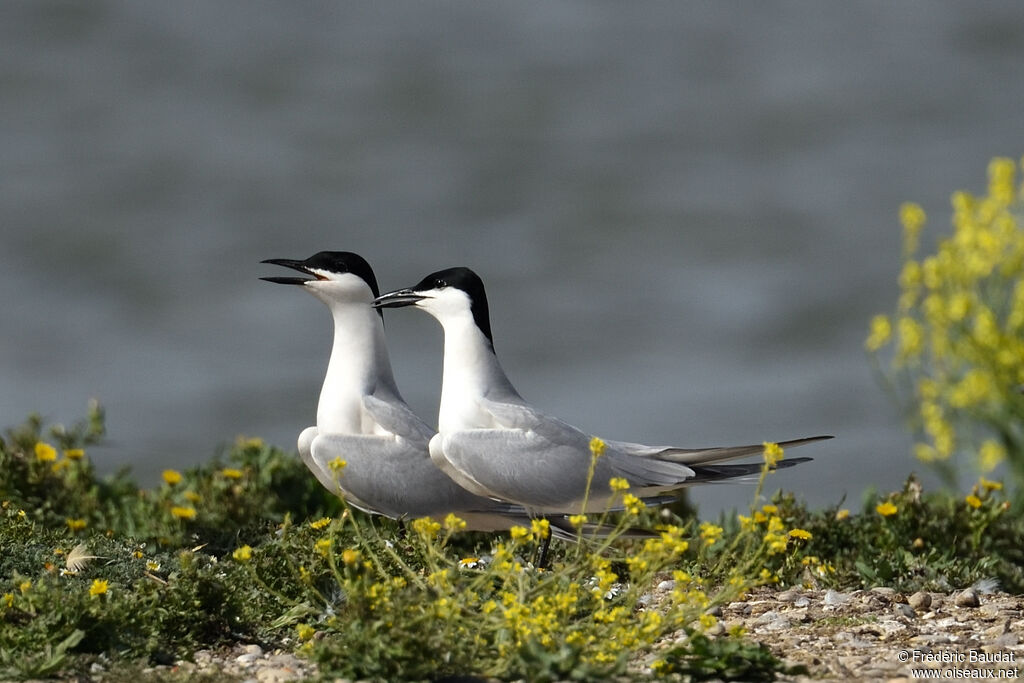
[710,533]
[320,523]
[183,512]
[772,453]
[958,332]
[886,509]
[426,527]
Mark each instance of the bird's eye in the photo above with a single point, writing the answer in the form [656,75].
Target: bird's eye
[440,284]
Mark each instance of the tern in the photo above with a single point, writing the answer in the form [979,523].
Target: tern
[362,418]
[495,444]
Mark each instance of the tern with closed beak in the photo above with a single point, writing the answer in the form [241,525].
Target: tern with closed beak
[497,445]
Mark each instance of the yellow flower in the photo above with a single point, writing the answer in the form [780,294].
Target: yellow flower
[618,484]
[886,509]
[710,533]
[192,496]
[913,218]
[153,565]
[243,554]
[770,509]
[990,485]
[350,557]
[76,524]
[426,527]
[231,473]
[25,586]
[183,512]
[597,447]
[990,455]
[453,523]
[323,546]
[45,452]
[802,534]
[772,453]
[911,338]
[880,333]
[540,527]
[633,504]
[973,501]
[74,454]
[8,599]
[577,520]
[305,631]
[172,477]
[320,523]
[98,587]
[518,532]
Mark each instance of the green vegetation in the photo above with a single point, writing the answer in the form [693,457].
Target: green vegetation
[248,548]
[957,365]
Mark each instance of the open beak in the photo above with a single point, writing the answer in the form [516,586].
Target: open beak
[294,265]
[397,299]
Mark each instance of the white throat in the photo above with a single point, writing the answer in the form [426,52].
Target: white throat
[359,366]
[471,372]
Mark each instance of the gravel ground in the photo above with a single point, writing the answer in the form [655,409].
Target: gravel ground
[880,634]
[868,635]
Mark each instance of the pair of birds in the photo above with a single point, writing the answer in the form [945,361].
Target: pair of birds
[495,461]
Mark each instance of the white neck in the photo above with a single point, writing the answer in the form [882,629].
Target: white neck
[359,366]
[471,371]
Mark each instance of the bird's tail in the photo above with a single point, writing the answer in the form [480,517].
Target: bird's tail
[709,474]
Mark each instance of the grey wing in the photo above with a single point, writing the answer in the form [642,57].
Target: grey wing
[703,456]
[515,416]
[396,417]
[525,467]
[641,472]
[519,466]
[393,476]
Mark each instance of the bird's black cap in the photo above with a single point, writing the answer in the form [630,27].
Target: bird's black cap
[469,282]
[329,261]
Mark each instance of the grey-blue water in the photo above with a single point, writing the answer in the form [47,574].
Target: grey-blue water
[685,212]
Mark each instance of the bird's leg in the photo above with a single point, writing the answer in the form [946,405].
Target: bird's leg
[542,560]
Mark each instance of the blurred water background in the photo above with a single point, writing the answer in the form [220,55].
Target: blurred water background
[685,212]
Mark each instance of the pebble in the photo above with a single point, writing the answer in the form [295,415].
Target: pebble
[276,675]
[715,611]
[906,611]
[967,598]
[920,601]
[247,658]
[252,649]
[666,586]
[788,596]
[801,602]
[834,597]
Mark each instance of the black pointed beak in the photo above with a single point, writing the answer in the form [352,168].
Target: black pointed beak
[397,299]
[294,265]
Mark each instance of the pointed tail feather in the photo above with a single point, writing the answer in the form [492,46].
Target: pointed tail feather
[707,474]
[704,456]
